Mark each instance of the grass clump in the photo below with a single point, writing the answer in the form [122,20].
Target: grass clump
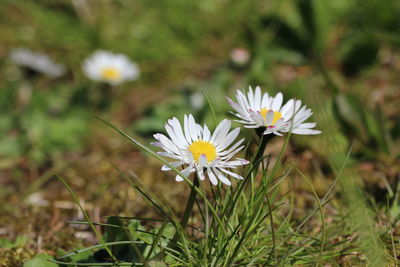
[249,223]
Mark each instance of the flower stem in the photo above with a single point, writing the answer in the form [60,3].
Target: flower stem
[105,97]
[190,203]
[264,139]
[188,209]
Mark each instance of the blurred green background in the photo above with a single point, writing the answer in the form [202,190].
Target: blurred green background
[341,57]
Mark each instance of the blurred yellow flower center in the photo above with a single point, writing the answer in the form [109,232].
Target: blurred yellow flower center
[110,74]
[199,148]
[277,115]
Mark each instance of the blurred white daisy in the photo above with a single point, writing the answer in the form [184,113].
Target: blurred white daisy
[36,61]
[110,68]
[196,100]
[257,110]
[200,151]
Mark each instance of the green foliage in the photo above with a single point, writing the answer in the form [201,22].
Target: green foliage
[19,241]
[40,260]
[394,209]
[358,51]
[40,124]
[118,231]
[309,35]
[307,26]
[367,125]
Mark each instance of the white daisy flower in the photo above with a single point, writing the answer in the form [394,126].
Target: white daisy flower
[110,68]
[200,151]
[37,61]
[256,110]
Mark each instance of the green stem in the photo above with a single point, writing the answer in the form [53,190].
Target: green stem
[190,203]
[188,209]
[264,139]
[106,95]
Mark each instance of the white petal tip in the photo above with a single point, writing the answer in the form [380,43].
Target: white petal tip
[165,168]
[265,133]
[178,179]
[227,183]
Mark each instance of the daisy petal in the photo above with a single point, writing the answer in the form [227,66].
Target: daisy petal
[232,174]
[212,177]
[185,172]
[306,131]
[229,139]
[277,103]
[222,177]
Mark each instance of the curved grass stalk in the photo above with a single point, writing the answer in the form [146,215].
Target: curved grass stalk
[320,209]
[211,108]
[99,246]
[169,213]
[155,241]
[324,200]
[98,235]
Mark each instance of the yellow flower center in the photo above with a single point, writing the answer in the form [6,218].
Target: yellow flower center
[110,74]
[199,148]
[277,115]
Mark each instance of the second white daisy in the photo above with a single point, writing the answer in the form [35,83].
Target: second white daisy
[261,110]
[37,61]
[110,68]
[200,151]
